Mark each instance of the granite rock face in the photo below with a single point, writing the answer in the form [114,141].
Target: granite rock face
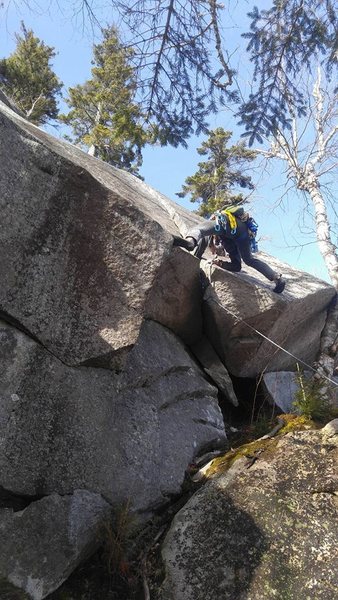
[96,393]
[87,254]
[82,244]
[99,391]
[238,307]
[281,387]
[214,368]
[128,437]
[47,540]
[268,531]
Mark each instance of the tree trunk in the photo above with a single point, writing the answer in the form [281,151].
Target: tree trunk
[304,170]
[329,338]
[327,249]
[92,148]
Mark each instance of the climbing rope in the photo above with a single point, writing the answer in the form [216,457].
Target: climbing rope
[299,360]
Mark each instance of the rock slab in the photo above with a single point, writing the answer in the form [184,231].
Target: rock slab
[241,311]
[48,539]
[82,245]
[268,531]
[281,388]
[128,436]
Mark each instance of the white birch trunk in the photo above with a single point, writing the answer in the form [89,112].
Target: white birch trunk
[328,347]
[92,149]
[327,249]
[306,176]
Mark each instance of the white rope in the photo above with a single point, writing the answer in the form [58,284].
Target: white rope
[271,341]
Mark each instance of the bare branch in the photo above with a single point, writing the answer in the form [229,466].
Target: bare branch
[218,44]
[30,111]
[330,168]
[303,165]
[165,37]
[329,137]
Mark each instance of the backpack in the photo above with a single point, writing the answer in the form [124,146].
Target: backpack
[229,213]
[252,230]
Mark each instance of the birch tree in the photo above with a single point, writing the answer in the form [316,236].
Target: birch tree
[310,151]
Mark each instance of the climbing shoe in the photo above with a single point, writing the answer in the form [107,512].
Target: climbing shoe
[188,244]
[280,285]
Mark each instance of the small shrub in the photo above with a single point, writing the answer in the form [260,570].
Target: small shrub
[310,400]
[117,536]
[261,426]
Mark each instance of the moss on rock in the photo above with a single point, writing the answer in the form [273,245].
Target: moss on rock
[261,529]
[252,449]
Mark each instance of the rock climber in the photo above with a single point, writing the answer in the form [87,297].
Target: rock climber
[234,235]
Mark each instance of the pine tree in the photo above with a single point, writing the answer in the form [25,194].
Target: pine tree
[104,116]
[184,71]
[214,184]
[288,38]
[27,77]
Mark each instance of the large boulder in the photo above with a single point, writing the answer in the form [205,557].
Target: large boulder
[82,245]
[46,541]
[96,392]
[239,307]
[268,531]
[87,254]
[128,436]
[280,389]
[97,389]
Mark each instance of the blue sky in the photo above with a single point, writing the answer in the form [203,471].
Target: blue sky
[166,168]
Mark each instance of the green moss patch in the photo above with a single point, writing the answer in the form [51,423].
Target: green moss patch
[256,447]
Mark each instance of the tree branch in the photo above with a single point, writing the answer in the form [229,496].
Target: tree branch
[214,20]
[159,56]
[30,111]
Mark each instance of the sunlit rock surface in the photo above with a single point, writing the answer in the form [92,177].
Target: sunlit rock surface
[82,244]
[263,531]
[281,388]
[238,307]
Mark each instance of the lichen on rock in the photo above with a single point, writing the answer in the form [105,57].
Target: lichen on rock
[261,531]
